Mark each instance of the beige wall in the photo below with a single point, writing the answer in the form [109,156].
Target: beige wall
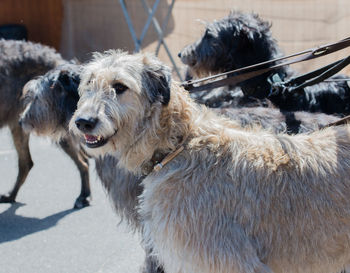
[296,24]
[96,25]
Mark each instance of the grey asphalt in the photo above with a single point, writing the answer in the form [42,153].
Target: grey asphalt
[43,234]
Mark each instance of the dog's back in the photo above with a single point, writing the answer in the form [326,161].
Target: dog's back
[249,198]
[296,189]
[20,61]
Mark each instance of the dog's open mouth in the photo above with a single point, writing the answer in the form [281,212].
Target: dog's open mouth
[94,141]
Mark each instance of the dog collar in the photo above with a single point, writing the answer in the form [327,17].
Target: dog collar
[159,159]
[170,156]
[167,159]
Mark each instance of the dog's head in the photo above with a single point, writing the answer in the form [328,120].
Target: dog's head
[50,100]
[233,42]
[120,95]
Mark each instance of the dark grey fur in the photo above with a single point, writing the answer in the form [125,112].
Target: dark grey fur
[277,121]
[236,41]
[19,62]
[122,187]
[240,40]
[49,102]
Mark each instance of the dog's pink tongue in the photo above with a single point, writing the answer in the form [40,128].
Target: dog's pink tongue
[90,138]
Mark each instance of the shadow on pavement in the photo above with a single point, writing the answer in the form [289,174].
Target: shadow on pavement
[13,227]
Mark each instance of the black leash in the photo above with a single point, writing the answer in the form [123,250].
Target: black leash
[242,74]
[297,84]
[302,78]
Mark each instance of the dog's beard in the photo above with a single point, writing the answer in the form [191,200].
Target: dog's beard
[44,128]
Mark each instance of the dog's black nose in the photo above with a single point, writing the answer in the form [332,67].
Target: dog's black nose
[20,122]
[86,125]
[179,54]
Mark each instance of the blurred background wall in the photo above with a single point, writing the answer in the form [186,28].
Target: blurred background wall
[43,19]
[78,27]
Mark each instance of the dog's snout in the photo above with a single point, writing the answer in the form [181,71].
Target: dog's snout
[86,125]
[179,54]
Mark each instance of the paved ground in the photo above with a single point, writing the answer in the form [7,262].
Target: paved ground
[43,234]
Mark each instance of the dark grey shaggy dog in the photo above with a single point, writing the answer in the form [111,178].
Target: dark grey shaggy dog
[49,102]
[19,62]
[239,40]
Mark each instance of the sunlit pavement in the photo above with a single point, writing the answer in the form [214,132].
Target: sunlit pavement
[43,234]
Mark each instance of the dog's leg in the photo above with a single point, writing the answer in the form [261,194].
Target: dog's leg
[82,164]
[25,163]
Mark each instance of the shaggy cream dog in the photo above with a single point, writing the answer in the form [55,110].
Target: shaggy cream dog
[229,199]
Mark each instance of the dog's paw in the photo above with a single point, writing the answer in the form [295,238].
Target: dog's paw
[82,202]
[7,199]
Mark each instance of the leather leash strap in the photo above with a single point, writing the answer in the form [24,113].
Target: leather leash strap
[245,73]
[167,159]
[341,121]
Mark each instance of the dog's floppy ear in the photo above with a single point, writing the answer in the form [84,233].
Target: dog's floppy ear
[69,81]
[156,80]
[256,30]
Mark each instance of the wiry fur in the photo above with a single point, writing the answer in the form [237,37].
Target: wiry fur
[235,200]
[235,41]
[49,102]
[19,62]
[123,189]
[277,121]
[231,43]
[240,40]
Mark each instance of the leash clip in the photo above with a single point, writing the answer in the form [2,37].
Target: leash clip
[158,167]
[320,51]
[276,84]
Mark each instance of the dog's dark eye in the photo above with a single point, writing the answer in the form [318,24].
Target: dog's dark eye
[119,88]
